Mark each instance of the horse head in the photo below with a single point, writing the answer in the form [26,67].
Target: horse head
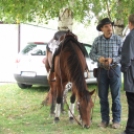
[85,106]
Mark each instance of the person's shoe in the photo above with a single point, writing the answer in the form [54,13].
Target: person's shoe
[103,125]
[116,125]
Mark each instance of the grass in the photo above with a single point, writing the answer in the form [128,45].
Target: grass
[20,113]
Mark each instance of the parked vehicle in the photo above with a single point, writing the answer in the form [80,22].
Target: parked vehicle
[30,69]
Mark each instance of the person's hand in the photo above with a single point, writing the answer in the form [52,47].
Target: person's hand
[108,61]
[102,60]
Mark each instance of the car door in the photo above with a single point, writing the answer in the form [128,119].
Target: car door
[90,63]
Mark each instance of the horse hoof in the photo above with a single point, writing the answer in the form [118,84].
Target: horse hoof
[87,127]
[71,119]
[56,120]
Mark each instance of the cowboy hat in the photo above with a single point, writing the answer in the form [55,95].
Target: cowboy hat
[103,22]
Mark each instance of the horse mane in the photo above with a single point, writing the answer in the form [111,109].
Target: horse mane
[73,63]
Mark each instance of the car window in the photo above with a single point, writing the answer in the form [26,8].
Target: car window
[34,49]
[88,49]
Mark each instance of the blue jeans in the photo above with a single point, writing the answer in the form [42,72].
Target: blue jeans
[105,80]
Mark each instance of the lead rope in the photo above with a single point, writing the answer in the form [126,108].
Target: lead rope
[92,110]
[72,113]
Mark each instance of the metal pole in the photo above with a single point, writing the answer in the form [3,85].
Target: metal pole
[18,38]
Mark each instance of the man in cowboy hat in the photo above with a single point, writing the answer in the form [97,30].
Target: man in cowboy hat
[106,50]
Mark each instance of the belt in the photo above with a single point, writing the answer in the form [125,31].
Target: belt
[111,66]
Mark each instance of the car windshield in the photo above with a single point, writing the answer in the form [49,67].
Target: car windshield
[34,49]
[87,48]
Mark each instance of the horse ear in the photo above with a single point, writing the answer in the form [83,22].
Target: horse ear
[92,92]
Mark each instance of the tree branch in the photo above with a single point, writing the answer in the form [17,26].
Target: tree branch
[108,10]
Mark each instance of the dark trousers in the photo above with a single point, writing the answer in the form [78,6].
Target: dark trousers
[109,79]
[130,122]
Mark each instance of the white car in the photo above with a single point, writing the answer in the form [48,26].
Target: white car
[30,69]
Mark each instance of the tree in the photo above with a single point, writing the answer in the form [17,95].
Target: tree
[65,19]
[117,10]
[83,10]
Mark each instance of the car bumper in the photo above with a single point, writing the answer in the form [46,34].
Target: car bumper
[37,80]
[91,80]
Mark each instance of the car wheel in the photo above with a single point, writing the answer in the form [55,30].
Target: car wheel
[29,86]
[24,86]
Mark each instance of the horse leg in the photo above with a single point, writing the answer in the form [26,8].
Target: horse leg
[57,112]
[62,106]
[52,108]
[52,100]
[71,107]
[66,88]
[48,100]
[58,103]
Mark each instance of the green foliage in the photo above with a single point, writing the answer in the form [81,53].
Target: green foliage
[13,11]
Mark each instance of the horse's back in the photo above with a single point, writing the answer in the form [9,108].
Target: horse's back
[69,58]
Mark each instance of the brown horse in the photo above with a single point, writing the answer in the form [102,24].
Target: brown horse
[49,100]
[69,65]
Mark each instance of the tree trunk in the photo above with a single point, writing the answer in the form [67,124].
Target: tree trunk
[65,20]
[119,23]
[119,27]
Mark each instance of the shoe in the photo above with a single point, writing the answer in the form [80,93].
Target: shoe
[116,125]
[103,125]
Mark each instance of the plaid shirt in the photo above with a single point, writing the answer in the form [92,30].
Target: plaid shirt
[108,48]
